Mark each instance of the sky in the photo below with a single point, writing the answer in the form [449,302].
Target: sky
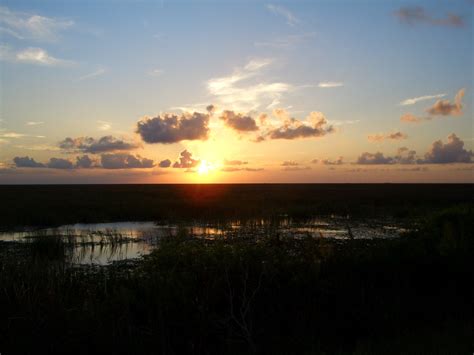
[113,91]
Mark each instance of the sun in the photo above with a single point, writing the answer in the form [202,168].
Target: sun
[205,167]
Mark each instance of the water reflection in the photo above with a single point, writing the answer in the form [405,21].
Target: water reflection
[103,243]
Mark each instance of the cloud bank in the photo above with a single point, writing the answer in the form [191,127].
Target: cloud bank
[95,146]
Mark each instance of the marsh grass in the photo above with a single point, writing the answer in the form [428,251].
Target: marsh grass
[268,294]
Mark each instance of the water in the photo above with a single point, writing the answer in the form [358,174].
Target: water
[103,243]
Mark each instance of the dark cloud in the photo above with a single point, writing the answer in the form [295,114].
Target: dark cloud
[367,158]
[403,156]
[95,146]
[165,163]
[186,161]
[211,109]
[451,152]
[239,122]
[171,128]
[84,162]
[413,15]
[27,162]
[125,161]
[108,161]
[338,161]
[446,108]
[292,128]
[59,163]
[388,136]
[235,162]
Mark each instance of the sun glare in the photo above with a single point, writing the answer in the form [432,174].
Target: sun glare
[205,167]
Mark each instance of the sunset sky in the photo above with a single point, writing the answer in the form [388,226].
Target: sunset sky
[228,91]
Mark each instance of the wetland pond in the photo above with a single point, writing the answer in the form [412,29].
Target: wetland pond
[104,243]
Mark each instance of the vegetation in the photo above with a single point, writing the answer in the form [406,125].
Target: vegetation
[64,204]
[269,294]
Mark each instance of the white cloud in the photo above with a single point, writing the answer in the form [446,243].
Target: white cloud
[230,91]
[38,56]
[343,122]
[15,135]
[414,100]
[94,74]
[156,72]
[38,147]
[104,125]
[34,123]
[330,84]
[286,41]
[31,55]
[23,25]
[291,19]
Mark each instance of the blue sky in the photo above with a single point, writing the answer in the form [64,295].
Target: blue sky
[95,68]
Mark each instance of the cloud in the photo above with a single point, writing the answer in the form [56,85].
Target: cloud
[439,108]
[417,15]
[286,41]
[451,152]
[343,122]
[186,161]
[338,161]
[94,74]
[165,163]
[104,125]
[156,72]
[379,137]
[31,55]
[414,100]
[27,162]
[374,158]
[239,122]
[39,56]
[15,135]
[289,163]
[125,161]
[108,161]
[95,146]
[410,118]
[84,162]
[232,92]
[58,163]
[330,84]
[231,169]
[235,162]
[281,114]
[446,108]
[34,123]
[170,128]
[291,19]
[23,25]
[403,156]
[315,125]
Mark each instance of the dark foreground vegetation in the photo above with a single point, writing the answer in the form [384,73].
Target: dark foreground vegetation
[64,204]
[267,295]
